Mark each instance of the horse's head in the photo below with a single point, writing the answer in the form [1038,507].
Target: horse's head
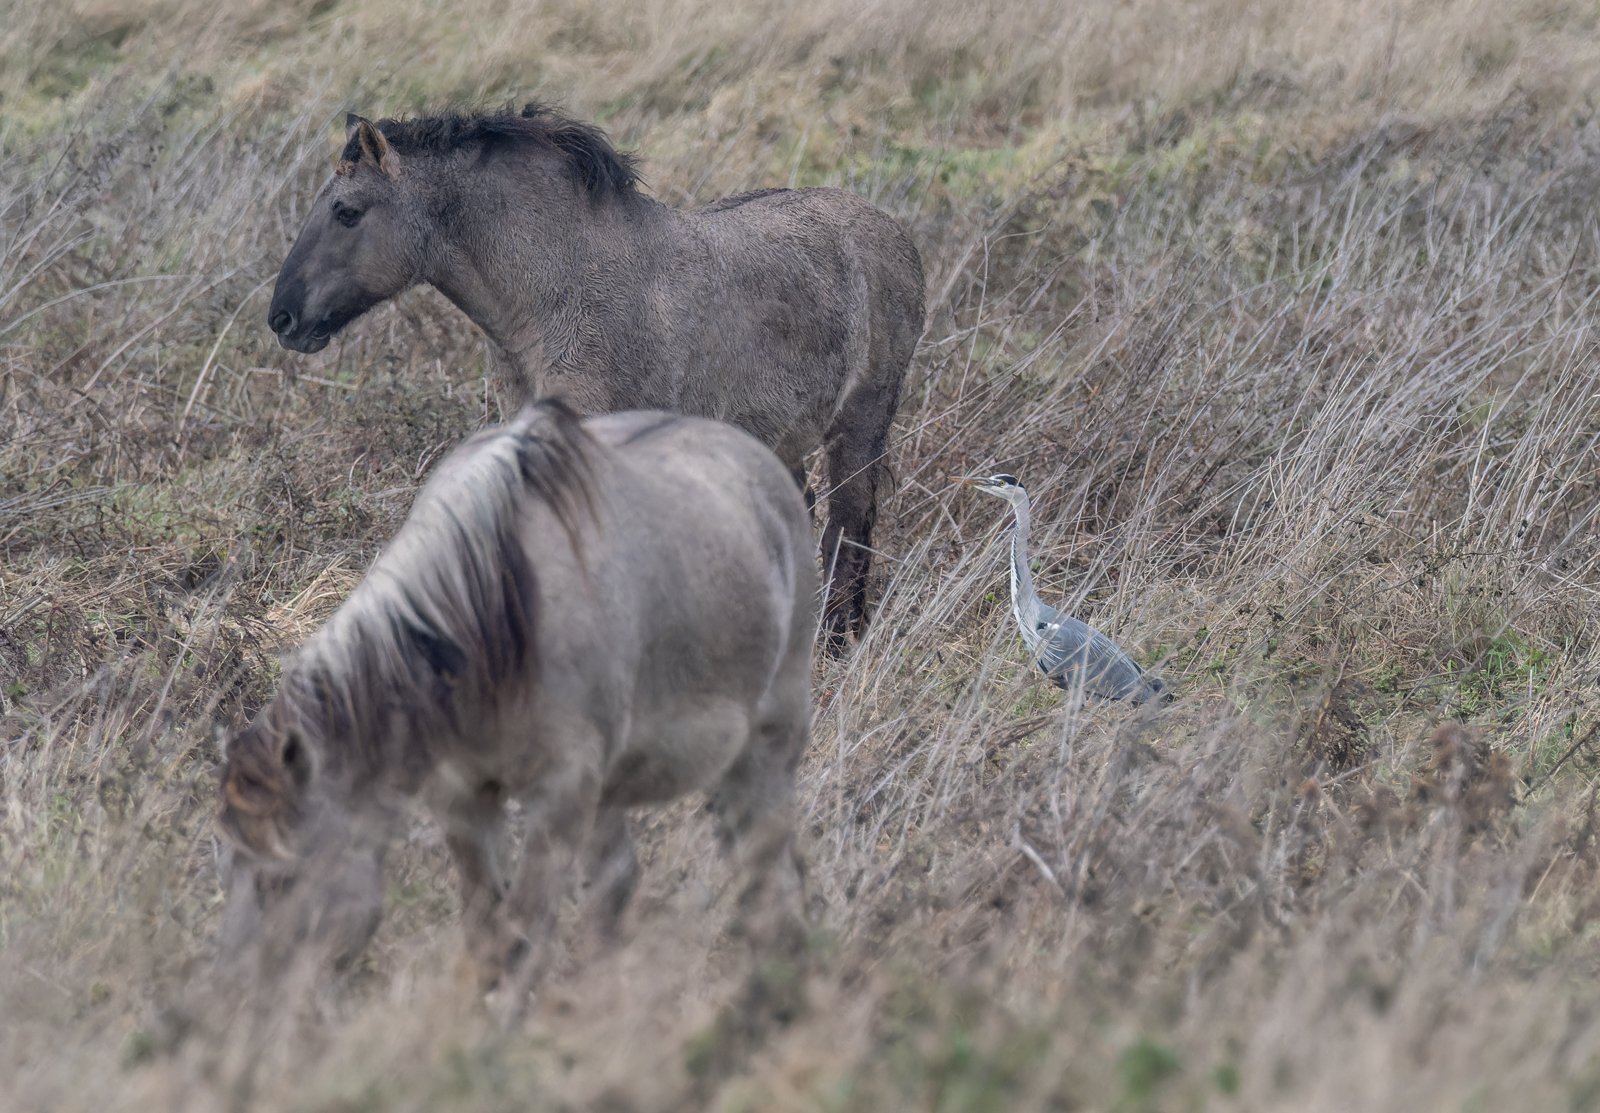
[359,247]
[299,867]
[264,788]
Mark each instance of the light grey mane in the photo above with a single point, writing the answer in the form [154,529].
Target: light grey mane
[448,612]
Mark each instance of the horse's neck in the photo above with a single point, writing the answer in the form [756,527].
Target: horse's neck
[483,289]
[508,264]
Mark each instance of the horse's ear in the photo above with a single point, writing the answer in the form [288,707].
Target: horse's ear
[364,143]
[261,789]
[375,148]
[253,782]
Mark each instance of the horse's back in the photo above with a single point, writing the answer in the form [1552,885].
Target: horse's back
[821,222]
[705,502]
[707,606]
[774,303]
[675,449]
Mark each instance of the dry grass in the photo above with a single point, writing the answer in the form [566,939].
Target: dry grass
[1284,311]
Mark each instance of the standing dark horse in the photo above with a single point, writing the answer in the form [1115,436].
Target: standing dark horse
[789,313]
[583,619]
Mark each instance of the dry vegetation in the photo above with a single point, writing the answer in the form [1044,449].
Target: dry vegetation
[1286,313]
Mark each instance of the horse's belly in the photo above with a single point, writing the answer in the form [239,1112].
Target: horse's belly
[675,749]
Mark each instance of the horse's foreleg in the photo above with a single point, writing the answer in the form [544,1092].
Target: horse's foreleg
[559,815]
[241,919]
[610,869]
[473,826]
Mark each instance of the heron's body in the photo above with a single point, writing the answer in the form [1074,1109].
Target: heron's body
[1071,653]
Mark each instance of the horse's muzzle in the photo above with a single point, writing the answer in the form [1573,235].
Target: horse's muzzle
[293,334]
[307,344]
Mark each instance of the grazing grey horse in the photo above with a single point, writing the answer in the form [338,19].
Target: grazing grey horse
[582,618]
[789,313]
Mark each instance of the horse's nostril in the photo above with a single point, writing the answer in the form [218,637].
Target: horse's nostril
[282,321]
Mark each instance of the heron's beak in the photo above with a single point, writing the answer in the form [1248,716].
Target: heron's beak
[969,480]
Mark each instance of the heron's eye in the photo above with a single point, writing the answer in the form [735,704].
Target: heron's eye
[346,215]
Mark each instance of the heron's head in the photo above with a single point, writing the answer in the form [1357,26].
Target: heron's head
[1001,486]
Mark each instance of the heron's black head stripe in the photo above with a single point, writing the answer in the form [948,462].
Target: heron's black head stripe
[1011,479]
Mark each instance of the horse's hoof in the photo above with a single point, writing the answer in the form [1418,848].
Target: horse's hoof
[509,1003]
[510,1000]
[836,639]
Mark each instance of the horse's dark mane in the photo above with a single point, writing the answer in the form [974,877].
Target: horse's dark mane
[738,199]
[600,167]
[446,620]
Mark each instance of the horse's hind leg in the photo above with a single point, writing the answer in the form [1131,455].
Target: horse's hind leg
[882,338]
[610,869]
[855,450]
[754,810]
[798,474]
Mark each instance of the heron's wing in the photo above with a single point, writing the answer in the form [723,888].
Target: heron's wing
[1074,654]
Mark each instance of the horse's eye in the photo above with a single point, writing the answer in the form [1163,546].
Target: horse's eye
[345,215]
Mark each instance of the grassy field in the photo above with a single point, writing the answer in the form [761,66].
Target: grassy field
[1284,311]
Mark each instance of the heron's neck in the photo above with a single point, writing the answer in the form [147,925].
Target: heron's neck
[1024,599]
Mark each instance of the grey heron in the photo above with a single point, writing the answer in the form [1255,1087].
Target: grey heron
[1070,653]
